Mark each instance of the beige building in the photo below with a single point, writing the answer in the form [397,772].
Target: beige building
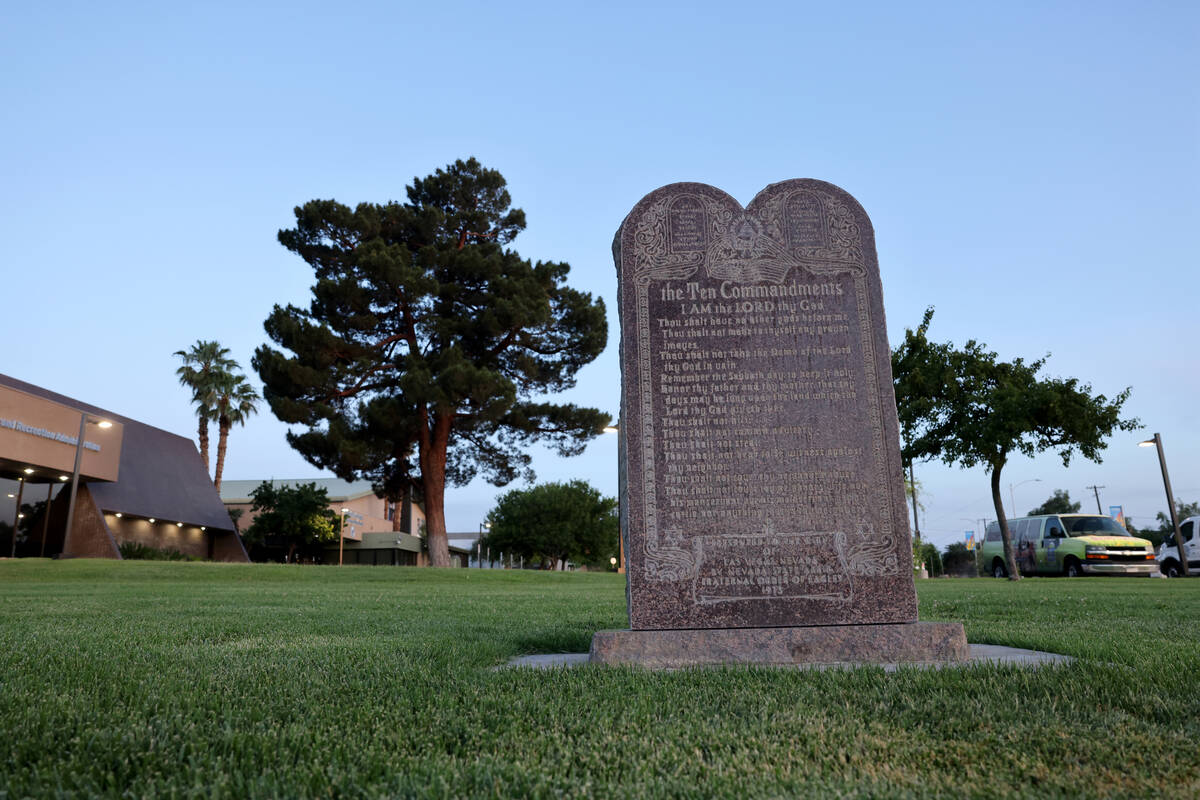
[377,532]
[135,484]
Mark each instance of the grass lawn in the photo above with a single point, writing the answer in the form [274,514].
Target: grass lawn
[181,679]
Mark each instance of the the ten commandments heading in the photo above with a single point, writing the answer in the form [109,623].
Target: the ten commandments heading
[761,479]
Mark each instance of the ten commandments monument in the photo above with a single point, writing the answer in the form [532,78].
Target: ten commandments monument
[762,503]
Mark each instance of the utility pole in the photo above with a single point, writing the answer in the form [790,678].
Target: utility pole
[912,481]
[1096,489]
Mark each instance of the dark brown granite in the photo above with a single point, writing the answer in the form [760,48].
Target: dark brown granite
[760,467]
[906,643]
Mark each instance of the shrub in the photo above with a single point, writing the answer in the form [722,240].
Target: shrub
[136,551]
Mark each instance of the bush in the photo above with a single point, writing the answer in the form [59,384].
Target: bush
[136,551]
[958,561]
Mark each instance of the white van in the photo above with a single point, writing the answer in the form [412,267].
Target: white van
[1168,553]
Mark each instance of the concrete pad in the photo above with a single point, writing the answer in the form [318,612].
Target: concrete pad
[979,654]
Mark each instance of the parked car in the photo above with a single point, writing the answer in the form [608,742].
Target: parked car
[1069,544]
[1168,553]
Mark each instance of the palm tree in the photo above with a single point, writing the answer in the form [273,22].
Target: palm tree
[234,402]
[203,367]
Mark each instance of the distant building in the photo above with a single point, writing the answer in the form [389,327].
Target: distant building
[377,532]
[137,483]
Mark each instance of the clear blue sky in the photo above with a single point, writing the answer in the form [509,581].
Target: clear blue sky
[1031,172]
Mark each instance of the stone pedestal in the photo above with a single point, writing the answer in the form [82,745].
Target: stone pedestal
[905,643]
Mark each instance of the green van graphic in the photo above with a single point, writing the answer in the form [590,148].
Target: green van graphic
[1068,544]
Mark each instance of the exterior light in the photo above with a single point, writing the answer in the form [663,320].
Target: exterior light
[11,495]
[611,429]
[20,516]
[345,511]
[613,561]
[29,470]
[104,423]
[64,477]
[178,524]
[1147,443]
[117,515]
[153,520]
[203,528]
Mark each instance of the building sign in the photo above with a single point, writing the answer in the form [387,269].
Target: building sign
[1117,513]
[40,434]
[17,425]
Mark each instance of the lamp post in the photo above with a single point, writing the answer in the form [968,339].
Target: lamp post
[616,428]
[1162,462]
[484,527]
[1012,497]
[342,536]
[85,419]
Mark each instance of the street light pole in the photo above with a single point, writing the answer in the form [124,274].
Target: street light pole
[1162,462]
[1012,498]
[912,482]
[484,527]
[84,421]
[342,536]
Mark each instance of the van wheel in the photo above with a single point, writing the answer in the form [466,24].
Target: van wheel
[998,570]
[1171,569]
[1073,570]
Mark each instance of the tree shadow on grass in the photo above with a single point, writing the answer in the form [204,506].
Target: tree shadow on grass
[551,640]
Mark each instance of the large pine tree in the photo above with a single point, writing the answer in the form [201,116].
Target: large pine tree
[428,350]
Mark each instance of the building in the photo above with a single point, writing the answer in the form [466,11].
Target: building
[136,483]
[376,532]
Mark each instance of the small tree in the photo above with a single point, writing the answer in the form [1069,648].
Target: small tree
[926,553]
[1057,503]
[982,410]
[1166,528]
[555,522]
[429,347]
[957,560]
[298,517]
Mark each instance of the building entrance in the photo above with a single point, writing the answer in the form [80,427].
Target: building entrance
[37,532]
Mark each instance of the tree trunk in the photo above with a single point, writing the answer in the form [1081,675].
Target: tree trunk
[433,484]
[223,426]
[1010,556]
[202,436]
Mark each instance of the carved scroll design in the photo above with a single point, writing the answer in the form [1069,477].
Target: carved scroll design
[745,253]
[871,556]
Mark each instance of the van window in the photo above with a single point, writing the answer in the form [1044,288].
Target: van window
[1185,530]
[1053,525]
[993,532]
[1098,525]
[1035,530]
[1023,527]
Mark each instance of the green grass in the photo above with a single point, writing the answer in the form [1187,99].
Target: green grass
[178,680]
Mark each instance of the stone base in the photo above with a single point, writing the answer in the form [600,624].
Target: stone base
[904,643]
